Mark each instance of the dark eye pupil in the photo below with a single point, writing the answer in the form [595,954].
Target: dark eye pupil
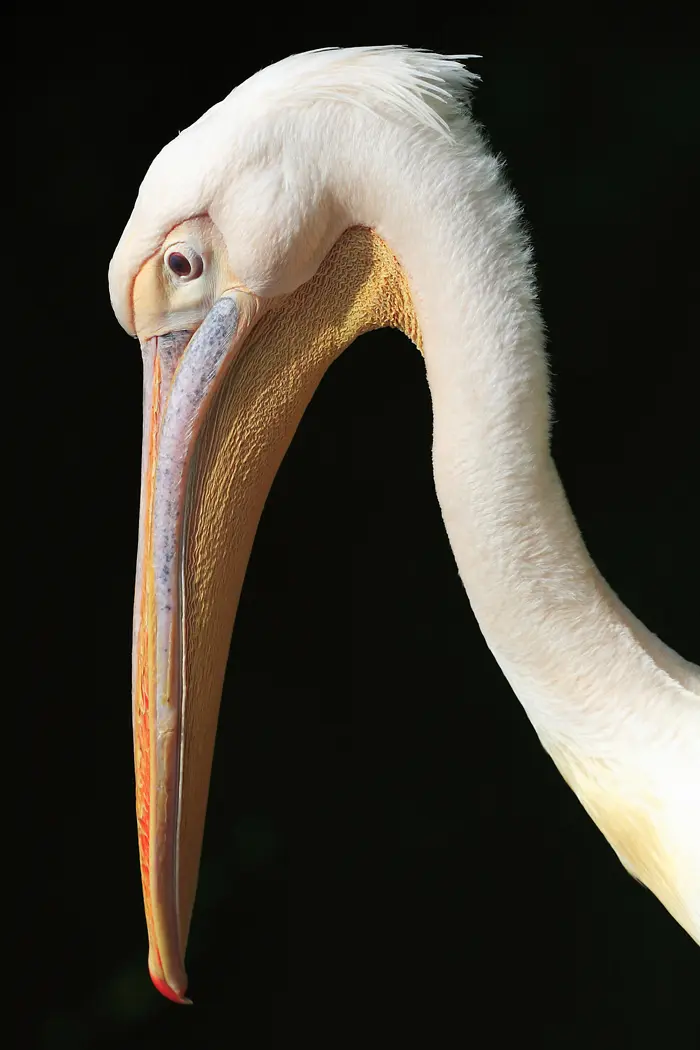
[179,264]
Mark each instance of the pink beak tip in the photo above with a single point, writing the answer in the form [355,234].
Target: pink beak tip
[169,993]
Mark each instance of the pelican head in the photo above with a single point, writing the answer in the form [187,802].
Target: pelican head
[243,273]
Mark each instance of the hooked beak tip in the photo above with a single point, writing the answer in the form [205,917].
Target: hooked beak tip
[169,993]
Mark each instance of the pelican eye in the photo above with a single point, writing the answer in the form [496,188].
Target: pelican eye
[184,263]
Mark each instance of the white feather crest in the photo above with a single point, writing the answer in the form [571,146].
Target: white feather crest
[418,84]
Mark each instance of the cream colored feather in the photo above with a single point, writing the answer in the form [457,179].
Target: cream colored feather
[382,138]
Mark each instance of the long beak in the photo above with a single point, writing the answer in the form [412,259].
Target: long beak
[220,409]
[183,378]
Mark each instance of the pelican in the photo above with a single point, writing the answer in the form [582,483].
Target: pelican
[335,192]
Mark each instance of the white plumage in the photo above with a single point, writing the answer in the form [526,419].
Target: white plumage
[382,138]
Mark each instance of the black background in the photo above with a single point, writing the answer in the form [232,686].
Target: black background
[387,846]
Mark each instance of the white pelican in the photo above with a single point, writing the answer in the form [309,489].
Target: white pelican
[335,192]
